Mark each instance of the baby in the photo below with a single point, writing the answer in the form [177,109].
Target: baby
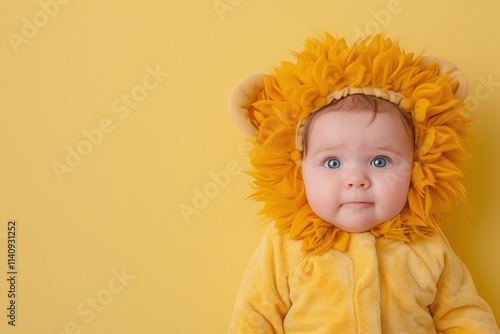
[355,158]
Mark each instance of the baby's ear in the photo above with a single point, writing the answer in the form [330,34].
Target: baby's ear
[243,95]
[448,68]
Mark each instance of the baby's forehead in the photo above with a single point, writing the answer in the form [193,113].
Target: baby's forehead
[345,120]
[358,111]
[360,123]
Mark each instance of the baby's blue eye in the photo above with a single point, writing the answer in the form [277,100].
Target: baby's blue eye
[380,162]
[332,163]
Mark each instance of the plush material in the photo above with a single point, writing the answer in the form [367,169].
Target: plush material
[375,285]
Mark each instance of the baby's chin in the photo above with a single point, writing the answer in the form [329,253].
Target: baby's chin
[357,227]
[360,224]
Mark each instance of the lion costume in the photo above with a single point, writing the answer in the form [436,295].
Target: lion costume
[309,276]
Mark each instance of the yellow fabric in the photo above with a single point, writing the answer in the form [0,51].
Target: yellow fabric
[329,69]
[376,285]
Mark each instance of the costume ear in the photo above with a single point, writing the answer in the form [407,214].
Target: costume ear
[241,98]
[448,68]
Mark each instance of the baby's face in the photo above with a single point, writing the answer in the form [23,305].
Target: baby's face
[356,173]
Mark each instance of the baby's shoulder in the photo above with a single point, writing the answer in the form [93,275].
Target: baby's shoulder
[430,251]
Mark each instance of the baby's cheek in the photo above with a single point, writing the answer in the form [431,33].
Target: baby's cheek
[319,198]
[395,181]
[405,169]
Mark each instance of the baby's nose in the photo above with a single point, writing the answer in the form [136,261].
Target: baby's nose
[356,179]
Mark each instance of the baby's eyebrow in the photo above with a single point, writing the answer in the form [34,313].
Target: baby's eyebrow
[389,148]
[385,148]
[323,149]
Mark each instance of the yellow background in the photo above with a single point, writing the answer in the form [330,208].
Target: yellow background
[118,212]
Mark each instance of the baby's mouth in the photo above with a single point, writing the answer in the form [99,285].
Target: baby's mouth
[357,204]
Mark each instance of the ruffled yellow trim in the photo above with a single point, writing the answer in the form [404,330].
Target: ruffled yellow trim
[296,90]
